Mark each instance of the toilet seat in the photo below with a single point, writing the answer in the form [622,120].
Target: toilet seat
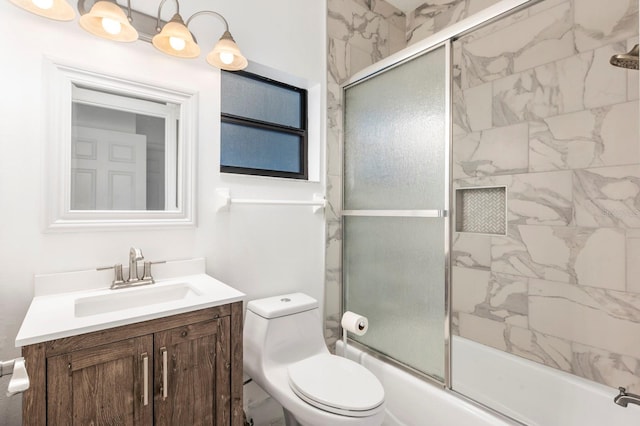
[336,385]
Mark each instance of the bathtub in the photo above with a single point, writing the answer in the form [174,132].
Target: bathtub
[410,401]
[524,390]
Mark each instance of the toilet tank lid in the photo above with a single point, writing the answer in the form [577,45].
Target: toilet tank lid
[279,306]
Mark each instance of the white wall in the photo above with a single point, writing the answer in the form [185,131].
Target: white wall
[259,250]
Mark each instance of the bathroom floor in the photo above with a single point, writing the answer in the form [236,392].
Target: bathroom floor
[264,410]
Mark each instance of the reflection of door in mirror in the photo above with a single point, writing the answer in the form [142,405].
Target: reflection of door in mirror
[108,170]
[123,152]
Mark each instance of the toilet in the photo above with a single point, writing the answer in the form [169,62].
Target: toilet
[285,354]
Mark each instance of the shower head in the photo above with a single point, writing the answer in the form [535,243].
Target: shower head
[626,60]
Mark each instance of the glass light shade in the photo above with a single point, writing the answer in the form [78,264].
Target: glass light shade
[166,41]
[226,54]
[60,10]
[93,22]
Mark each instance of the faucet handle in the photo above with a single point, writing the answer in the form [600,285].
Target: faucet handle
[146,273]
[117,276]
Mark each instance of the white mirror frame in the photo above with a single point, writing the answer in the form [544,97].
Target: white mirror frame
[60,78]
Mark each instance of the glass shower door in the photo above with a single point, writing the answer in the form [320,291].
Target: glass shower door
[395,229]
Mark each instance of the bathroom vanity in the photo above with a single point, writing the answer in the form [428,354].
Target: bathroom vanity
[166,354]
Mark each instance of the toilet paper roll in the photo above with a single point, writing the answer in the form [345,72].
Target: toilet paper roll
[355,323]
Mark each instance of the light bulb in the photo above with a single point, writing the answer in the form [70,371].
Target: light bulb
[226,57]
[177,43]
[111,26]
[43,4]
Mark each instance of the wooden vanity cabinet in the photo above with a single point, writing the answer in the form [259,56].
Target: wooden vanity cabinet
[192,364]
[99,385]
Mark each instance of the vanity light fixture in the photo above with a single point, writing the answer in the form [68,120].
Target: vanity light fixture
[107,20]
[175,39]
[226,54]
[59,10]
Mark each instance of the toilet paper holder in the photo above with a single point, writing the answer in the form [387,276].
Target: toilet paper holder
[354,323]
[19,377]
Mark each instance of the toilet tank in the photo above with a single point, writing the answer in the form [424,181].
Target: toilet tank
[284,305]
[283,329]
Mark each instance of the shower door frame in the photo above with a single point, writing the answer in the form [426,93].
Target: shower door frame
[442,38]
[415,213]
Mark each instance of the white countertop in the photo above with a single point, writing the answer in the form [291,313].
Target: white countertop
[55,314]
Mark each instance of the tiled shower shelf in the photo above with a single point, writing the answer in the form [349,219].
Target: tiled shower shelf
[482,210]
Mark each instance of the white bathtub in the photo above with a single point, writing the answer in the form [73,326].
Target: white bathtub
[526,391]
[410,401]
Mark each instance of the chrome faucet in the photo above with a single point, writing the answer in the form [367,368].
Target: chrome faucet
[625,398]
[135,255]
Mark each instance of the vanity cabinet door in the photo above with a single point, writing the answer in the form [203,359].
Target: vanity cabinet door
[193,376]
[102,385]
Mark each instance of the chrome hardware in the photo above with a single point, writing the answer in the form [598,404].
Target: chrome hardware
[6,367]
[146,272]
[118,280]
[145,378]
[165,380]
[624,398]
[135,255]
[396,213]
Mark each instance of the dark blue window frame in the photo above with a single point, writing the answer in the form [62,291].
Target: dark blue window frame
[300,132]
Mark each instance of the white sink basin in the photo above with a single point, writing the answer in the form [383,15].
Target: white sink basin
[121,299]
[72,303]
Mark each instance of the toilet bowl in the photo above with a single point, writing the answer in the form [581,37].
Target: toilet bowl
[285,354]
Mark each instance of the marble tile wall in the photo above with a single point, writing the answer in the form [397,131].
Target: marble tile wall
[538,108]
[435,15]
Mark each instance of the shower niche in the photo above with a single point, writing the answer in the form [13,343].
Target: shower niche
[481,210]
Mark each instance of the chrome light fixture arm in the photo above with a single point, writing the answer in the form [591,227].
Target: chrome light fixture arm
[175,39]
[158,26]
[225,55]
[209,12]
[129,17]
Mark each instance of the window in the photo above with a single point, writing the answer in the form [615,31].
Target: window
[264,127]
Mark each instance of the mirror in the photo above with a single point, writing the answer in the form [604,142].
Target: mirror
[123,149]
[123,152]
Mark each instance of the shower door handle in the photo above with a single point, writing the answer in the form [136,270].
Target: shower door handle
[396,213]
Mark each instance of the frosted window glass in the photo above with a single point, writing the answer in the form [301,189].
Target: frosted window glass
[257,99]
[395,137]
[255,148]
[394,275]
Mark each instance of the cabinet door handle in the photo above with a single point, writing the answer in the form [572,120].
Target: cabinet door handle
[163,351]
[145,378]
